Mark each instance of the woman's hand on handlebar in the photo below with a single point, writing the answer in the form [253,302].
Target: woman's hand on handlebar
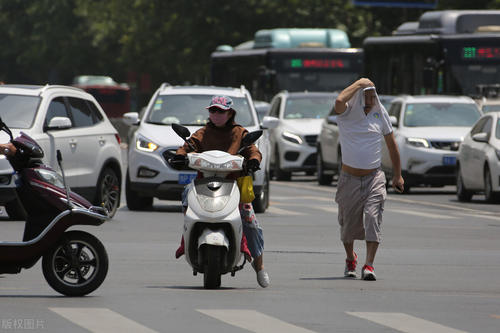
[253,165]
[7,149]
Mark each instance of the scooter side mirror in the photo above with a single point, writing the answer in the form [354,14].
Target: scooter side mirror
[181,131]
[59,156]
[251,138]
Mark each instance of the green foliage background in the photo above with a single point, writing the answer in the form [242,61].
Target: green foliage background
[165,40]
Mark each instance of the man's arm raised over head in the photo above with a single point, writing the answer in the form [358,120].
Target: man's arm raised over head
[347,93]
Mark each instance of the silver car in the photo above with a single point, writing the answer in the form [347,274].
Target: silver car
[478,161]
[293,141]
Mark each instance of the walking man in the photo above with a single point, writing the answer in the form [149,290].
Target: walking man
[363,122]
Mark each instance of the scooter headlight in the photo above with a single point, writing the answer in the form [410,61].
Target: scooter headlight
[50,177]
[205,164]
[212,204]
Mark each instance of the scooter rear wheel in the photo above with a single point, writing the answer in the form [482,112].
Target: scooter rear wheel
[212,275]
[77,265]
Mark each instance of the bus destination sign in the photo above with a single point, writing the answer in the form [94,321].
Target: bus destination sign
[478,53]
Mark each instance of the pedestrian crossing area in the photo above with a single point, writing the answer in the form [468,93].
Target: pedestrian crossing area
[307,205]
[104,320]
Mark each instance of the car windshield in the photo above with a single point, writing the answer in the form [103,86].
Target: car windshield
[440,114]
[191,110]
[308,107]
[491,108]
[18,111]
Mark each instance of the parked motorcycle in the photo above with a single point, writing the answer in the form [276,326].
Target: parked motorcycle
[212,223]
[74,263]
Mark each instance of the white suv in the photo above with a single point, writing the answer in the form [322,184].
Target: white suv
[149,174]
[70,120]
[293,141]
[429,130]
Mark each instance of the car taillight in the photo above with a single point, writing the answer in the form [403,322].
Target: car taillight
[117,136]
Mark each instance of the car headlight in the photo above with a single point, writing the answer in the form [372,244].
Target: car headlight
[292,137]
[144,144]
[418,142]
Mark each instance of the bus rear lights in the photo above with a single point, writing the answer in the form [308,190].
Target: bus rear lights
[144,172]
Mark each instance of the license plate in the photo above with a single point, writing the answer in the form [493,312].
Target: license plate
[449,160]
[186,178]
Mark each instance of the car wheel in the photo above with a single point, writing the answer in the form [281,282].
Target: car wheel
[320,171]
[280,174]
[489,195]
[134,200]
[109,191]
[261,201]
[15,210]
[463,194]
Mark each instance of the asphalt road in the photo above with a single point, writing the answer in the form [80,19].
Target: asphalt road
[437,271]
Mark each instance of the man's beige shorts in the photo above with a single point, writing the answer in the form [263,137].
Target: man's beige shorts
[361,204]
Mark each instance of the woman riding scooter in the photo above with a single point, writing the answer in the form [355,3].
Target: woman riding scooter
[222,133]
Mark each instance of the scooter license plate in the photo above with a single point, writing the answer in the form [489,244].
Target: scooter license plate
[186,178]
[449,160]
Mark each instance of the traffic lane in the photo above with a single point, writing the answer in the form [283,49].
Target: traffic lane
[305,260]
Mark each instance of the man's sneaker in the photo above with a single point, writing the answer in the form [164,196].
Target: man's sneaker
[368,273]
[350,267]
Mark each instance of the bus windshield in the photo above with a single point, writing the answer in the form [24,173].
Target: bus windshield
[315,107]
[191,110]
[440,114]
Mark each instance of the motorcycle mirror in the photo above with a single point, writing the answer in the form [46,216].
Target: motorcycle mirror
[3,126]
[181,131]
[59,156]
[251,138]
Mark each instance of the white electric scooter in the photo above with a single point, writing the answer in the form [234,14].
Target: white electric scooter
[212,223]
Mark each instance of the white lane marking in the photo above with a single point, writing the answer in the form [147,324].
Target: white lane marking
[488,217]
[422,214]
[279,211]
[329,209]
[101,320]
[302,197]
[404,323]
[396,198]
[254,321]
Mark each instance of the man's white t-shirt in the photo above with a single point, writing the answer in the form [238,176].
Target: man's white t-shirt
[361,134]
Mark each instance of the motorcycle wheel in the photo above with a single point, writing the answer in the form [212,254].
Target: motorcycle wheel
[77,265]
[212,275]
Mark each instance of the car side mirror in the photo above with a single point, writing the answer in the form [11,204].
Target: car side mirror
[480,137]
[270,122]
[131,118]
[332,120]
[394,121]
[59,123]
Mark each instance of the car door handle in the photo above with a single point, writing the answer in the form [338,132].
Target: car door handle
[72,144]
[102,141]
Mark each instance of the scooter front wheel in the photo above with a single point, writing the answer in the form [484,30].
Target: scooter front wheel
[212,274]
[77,265]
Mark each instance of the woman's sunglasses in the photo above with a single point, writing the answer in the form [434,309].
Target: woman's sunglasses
[218,110]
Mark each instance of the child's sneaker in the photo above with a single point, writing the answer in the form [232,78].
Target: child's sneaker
[350,267]
[368,273]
